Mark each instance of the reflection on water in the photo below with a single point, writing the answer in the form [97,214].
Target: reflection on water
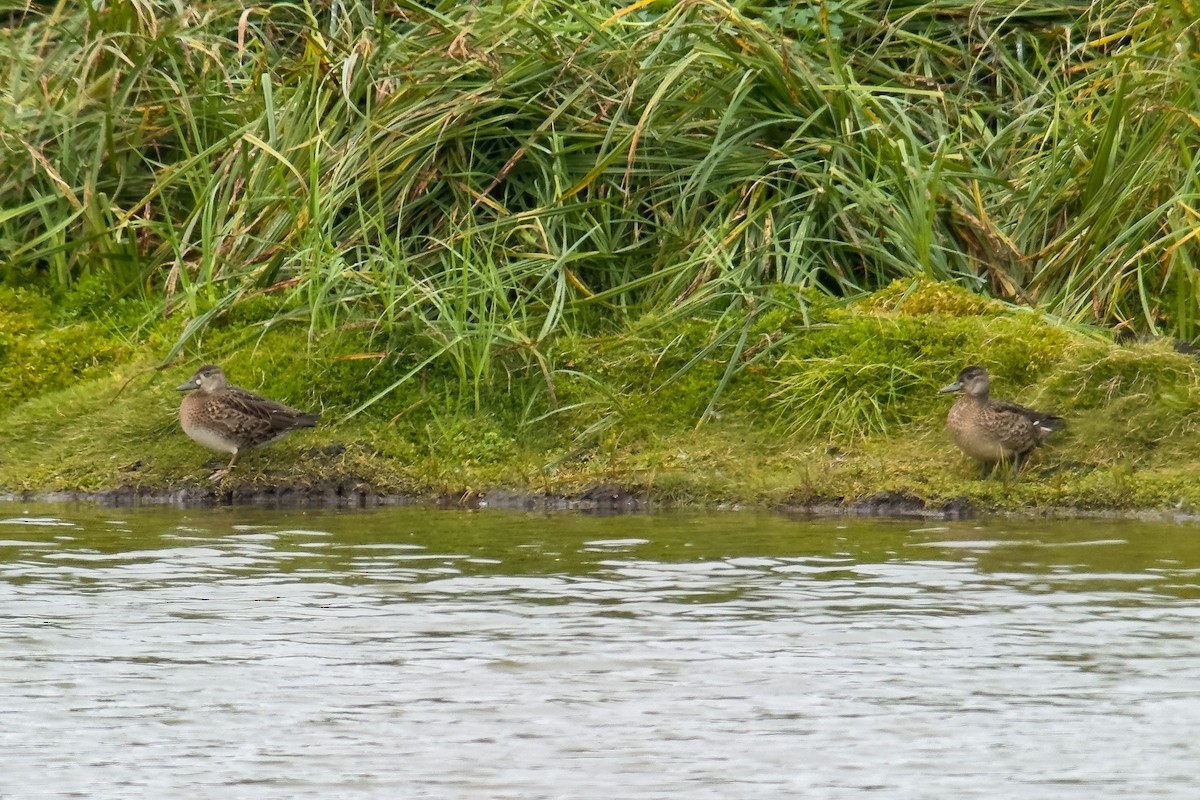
[416,653]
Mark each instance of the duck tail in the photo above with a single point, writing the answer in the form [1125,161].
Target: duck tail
[1048,423]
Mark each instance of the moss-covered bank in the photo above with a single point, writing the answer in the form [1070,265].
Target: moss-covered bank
[783,403]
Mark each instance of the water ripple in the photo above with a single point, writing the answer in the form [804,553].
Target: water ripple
[434,655]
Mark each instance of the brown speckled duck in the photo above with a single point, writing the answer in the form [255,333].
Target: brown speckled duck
[993,431]
[229,419]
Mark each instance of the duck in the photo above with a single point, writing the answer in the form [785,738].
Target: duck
[229,419]
[994,431]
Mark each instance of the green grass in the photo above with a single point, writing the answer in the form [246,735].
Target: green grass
[489,176]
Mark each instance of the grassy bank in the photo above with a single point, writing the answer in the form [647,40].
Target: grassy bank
[720,249]
[825,401]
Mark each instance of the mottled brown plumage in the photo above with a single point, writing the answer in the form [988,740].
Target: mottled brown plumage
[994,431]
[229,419]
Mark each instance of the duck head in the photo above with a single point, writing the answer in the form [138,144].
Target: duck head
[208,378]
[973,380]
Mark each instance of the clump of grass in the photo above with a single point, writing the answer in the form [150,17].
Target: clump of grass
[487,177]
[843,396]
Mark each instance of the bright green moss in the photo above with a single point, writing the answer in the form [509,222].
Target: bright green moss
[921,296]
[38,355]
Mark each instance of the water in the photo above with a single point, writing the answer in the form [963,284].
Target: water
[430,654]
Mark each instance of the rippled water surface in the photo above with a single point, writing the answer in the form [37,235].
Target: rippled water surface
[432,654]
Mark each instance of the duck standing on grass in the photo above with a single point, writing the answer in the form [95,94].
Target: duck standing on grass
[994,430]
[229,419]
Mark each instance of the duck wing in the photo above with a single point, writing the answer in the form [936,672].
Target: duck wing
[262,419]
[1042,421]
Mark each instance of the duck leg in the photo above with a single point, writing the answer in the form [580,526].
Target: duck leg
[985,469]
[221,473]
[1018,459]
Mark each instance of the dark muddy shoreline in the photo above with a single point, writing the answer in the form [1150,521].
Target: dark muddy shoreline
[600,498]
[604,499]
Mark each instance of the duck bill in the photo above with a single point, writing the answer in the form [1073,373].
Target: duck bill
[953,387]
[190,384]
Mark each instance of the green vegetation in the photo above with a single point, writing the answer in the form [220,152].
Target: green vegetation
[808,414]
[721,248]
